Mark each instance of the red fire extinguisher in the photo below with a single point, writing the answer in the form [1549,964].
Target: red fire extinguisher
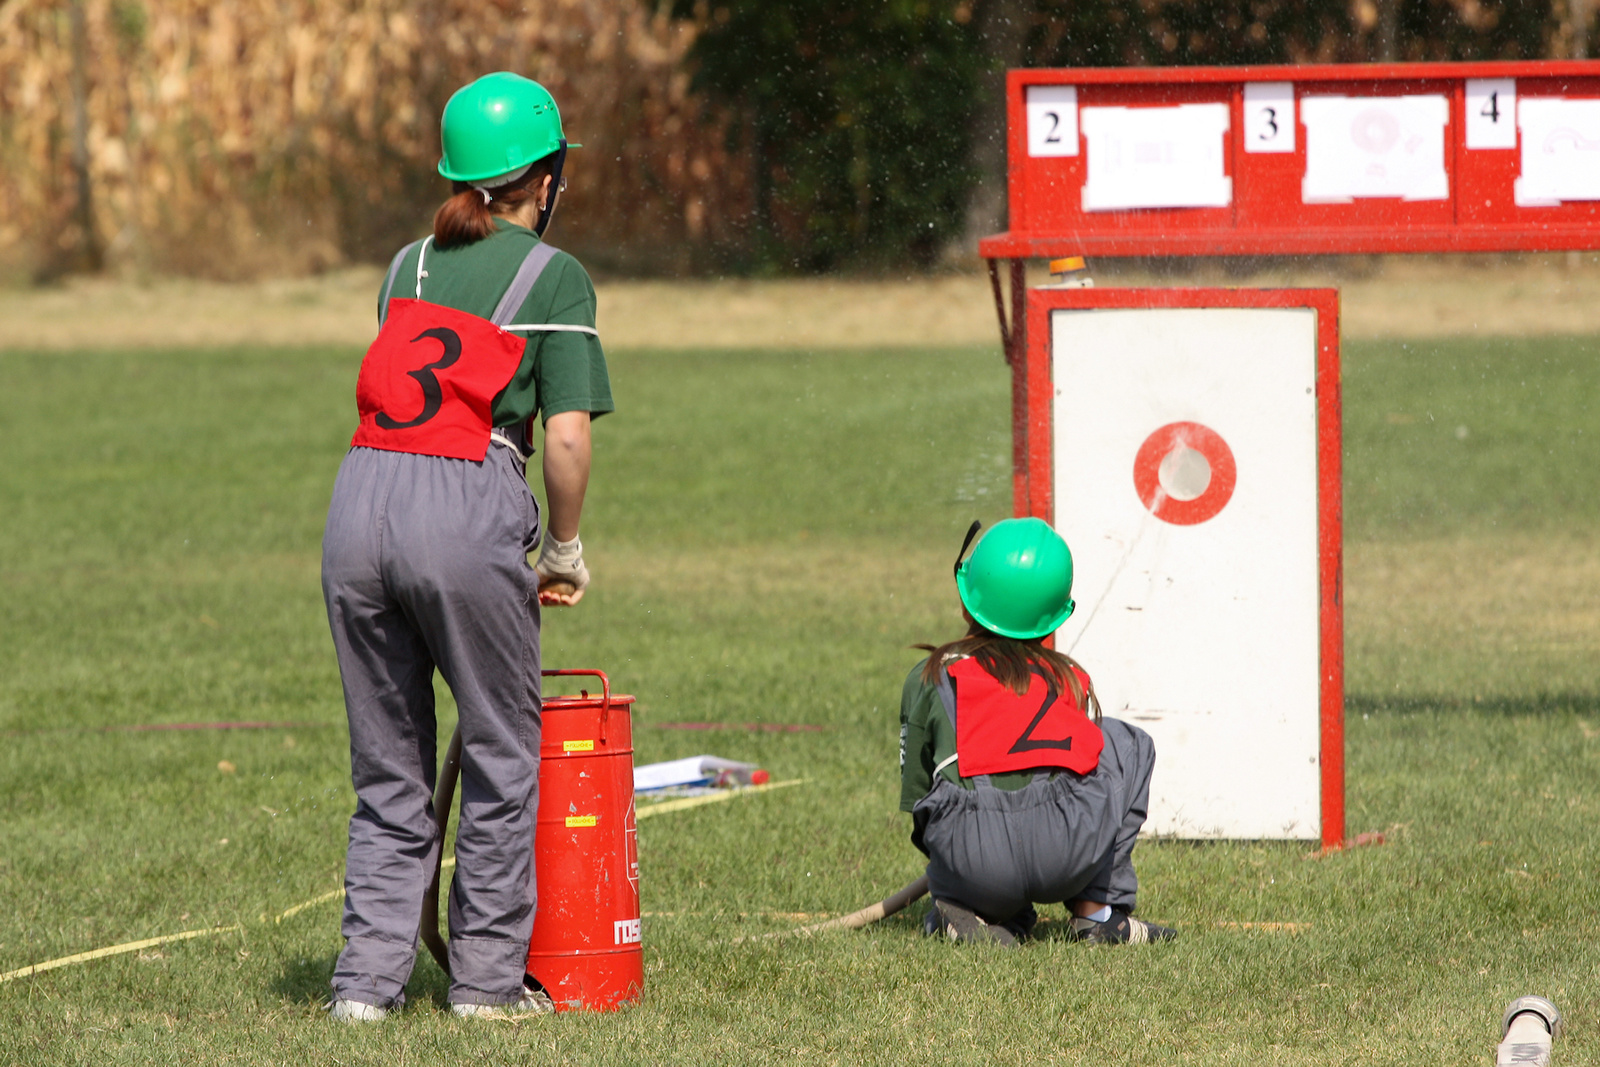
[585,948]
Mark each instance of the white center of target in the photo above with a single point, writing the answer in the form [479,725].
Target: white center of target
[1184,474]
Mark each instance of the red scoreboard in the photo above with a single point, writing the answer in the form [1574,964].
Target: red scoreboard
[1417,157]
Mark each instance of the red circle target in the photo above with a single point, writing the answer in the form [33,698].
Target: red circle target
[1184,473]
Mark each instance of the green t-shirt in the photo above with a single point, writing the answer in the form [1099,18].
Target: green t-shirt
[560,371]
[927,739]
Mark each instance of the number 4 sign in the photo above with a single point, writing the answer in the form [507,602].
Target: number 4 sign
[1268,117]
[1491,112]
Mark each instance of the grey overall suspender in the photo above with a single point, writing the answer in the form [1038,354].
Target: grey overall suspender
[947,697]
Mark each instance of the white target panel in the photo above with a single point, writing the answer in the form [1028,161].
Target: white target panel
[1186,475]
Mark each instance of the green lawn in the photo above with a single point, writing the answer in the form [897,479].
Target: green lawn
[769,531]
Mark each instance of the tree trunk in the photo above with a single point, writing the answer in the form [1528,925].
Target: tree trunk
[1579,13]
[1388,31]
[1003,30]
[90,255]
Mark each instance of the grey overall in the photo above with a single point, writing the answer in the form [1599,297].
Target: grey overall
[424,567]
[1061,837]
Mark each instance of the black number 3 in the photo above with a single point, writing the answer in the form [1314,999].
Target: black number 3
[1272,124]
[431,395]
[1026,742]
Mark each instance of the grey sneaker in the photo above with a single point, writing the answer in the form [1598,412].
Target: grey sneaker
[959,924]
[532,1002]
[353,1011]
[1120,929]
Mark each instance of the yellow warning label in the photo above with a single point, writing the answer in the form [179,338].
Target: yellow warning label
[577,746]
[580,820]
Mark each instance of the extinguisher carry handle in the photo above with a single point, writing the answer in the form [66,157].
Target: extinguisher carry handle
[605,691]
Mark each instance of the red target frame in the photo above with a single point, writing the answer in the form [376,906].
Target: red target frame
[1033,466]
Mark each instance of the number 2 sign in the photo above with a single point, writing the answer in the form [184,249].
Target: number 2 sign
[1052,120]
[1269,117]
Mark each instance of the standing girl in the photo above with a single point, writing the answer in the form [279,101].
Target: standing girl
[425,556]
[1017,796]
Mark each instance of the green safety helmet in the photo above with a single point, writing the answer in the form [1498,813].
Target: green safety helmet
[1018,581]
[496,126]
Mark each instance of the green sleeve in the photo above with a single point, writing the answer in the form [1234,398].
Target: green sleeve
[561,370]
[917,700]
[570,368]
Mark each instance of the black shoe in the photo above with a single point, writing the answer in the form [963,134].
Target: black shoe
[959,924]
[1120,929]
[1022,923]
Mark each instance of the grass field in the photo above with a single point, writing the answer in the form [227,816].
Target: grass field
[769,531]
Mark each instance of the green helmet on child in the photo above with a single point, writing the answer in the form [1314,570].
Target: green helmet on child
[496,126]
[1018,580]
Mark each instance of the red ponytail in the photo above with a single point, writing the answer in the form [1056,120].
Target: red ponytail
[462,219]
[467,217]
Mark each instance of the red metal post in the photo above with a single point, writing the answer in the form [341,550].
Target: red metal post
[1330,566]
[1018,355]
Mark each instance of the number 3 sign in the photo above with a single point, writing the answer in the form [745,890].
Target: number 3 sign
[1268,117]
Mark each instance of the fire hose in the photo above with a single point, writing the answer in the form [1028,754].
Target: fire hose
[444,796]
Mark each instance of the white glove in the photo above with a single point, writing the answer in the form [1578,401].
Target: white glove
[562,561]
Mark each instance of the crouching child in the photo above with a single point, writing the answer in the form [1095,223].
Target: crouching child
[1020,792]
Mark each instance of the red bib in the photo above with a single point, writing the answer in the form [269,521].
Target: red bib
[998,731]
[429,380]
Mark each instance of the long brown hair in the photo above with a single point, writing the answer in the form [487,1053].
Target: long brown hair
[468,215]
[1011,661]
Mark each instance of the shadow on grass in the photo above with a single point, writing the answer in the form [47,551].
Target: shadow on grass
[305,981]
[1530,704]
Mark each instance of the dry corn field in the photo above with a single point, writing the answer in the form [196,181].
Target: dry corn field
[244,138]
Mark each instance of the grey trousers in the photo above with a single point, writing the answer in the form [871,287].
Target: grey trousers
[1056,839]
[424,566]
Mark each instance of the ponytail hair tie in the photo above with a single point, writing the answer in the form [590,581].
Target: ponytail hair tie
[486,197]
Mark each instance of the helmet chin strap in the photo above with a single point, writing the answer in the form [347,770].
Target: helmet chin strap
[549,209]
[972,531]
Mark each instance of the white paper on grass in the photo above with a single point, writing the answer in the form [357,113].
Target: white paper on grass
[1052,120]
[1374,146]
[692,770]
[1155,157]
[1560,151]
[1269,116]
[1206,636]
[1491,113]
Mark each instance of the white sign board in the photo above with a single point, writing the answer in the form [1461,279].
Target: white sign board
[1491,113]
[1269,116]
[1560,151]
[1145,157]
[1052,120]
[1367,146]
[1185,457]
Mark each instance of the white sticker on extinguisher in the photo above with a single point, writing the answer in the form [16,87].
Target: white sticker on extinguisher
[625,931]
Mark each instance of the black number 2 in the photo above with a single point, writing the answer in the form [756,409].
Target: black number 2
[432,397]
[1055,124]
[1026,742]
